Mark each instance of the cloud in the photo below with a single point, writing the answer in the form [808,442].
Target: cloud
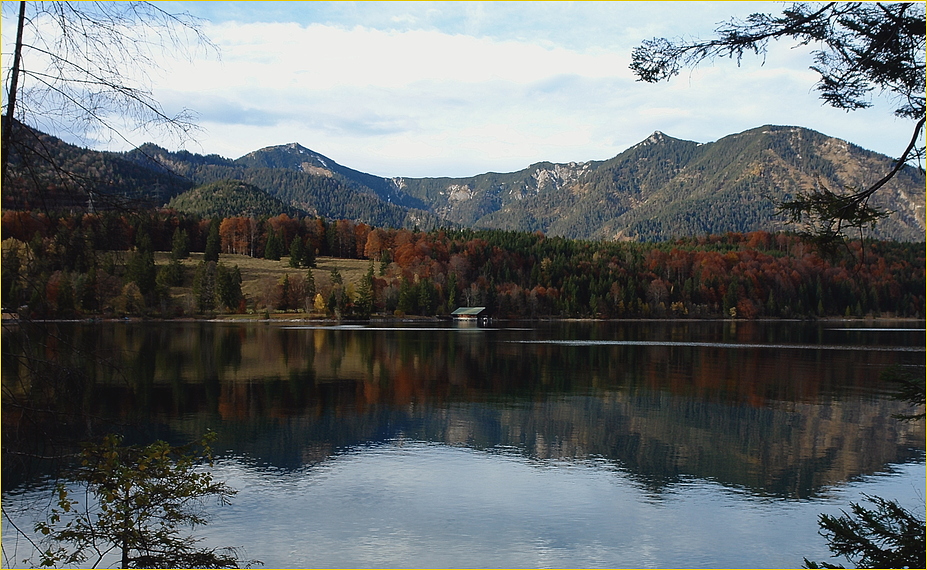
[372,85]
[368,125]
[317,57]
[215,108]
[445,89]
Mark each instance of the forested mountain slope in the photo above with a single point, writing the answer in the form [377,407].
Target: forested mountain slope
[228,198]
[658,189]
[665,187]
[49,174]
[300,179]
[297,158]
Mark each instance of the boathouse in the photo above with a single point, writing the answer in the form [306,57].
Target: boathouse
[471,314]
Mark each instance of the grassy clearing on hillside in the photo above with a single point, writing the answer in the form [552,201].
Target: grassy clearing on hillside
[259,276]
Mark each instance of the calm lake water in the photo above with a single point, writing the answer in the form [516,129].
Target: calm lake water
[687,444]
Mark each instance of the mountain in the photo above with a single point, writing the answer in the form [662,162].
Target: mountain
[47,173]
[662,187]
[300,159]
[665,187]
[228,198]
[301,179]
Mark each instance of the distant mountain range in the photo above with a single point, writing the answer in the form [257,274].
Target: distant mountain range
[664,187]
[660,188]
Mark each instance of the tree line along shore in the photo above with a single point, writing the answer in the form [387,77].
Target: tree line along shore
[170,265]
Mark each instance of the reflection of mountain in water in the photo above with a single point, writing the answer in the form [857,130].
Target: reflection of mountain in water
[655,437]
[774,421]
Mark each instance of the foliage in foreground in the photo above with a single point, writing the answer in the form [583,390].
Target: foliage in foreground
[136,501]
[908,388]
[887,536]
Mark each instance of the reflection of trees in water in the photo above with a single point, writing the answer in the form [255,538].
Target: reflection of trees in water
[778,422]
[659,437]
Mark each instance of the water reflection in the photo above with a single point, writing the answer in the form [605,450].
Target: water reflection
[783,410]
[417,504]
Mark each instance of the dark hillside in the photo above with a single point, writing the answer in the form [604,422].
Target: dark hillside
[228,198]
[49,174]
[307,186]
[300,159]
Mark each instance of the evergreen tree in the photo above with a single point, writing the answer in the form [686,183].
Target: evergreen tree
[285,293]
[308,259]
[297,252]
[385,259]
[228,287]
[365,294]
[336,297]
[204,287]
[170,275]
[66,304]
[331,239]
[332,304]
[140,267]
[213,243]
[88,291]
[180,244]
[11,276]
[310,287]
[273,249]
[407,298]
[452,292]
[888,536]
[141,499]
[427,297]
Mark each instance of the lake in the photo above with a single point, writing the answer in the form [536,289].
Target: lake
[643,444]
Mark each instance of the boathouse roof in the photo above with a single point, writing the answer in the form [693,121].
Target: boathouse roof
[469,312]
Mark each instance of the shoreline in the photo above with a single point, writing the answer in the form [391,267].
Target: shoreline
[12,318]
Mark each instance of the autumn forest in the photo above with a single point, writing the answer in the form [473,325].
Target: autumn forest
[104,264]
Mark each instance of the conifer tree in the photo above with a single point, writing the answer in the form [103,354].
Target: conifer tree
[204,287]
[140,267]
[273,249]
[308,258]
[310,289]
[285,293]
[365,294]
[228,287]
[213,242]
[297,252]
[180,244]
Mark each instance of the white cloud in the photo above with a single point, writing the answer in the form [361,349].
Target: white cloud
[320,56]
[429,89]
[396,91]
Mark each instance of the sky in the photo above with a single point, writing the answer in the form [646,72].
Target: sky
[424,89]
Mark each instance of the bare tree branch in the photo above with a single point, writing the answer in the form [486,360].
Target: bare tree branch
[77,65]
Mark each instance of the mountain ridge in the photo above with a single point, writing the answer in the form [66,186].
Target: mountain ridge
[666,187]
[314,163]
[659,188]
